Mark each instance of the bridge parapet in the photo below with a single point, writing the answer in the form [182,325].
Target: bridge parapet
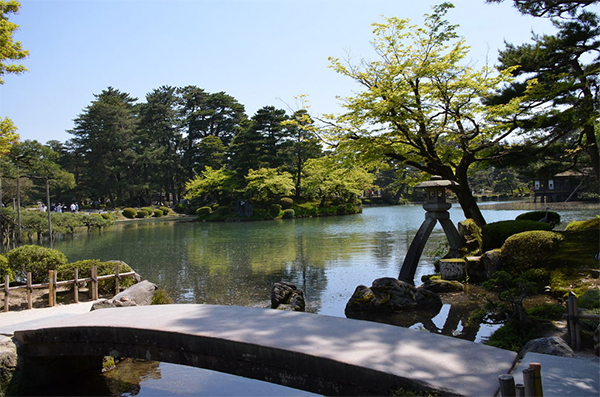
[321,354]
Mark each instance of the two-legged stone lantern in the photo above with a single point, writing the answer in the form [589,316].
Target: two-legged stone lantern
[437,210]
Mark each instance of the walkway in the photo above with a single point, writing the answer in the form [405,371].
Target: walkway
[322,354]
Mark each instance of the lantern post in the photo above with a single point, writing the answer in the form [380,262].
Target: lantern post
[436,209]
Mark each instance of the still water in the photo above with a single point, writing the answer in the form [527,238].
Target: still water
[237,263]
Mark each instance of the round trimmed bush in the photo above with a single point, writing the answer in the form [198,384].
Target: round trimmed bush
[289,213]
[157,213]
[67,272]
[203,212]
[142,214]
[275,210]
[553,218]
[495,234]
[106,216]
[35,259]
[129,212]
[5,270]
[165,210]
[528,250]
[286,203]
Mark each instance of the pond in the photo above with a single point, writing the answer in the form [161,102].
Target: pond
[237,263]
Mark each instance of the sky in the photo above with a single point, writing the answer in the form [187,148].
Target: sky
[261,52]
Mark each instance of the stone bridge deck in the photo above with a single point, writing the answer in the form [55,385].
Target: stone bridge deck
[321,354]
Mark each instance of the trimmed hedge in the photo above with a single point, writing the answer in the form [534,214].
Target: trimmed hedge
[142,214]
[6,270]
[496,233]
[286,203]
[553,218]
[67,272]
[528,250]
[203,212]
[579,226]
[166,210]
[35,259]
[157,213]
[289,213]
[129,212]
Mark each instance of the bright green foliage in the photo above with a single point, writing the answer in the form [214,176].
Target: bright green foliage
[35,259]
[148,210]
[129,212]
[67,272]
[286,203]
[8,135]
[157,213]
[66,222]
[166,210]
[9,49]
[141,214]
[421,103]
[95,221]
[5,270]
[268,184]
[203,212]
[551,217]
[495,234]
[529,249]
[211,185]
[327,178]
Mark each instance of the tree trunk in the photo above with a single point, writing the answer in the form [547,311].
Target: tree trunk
[469,204]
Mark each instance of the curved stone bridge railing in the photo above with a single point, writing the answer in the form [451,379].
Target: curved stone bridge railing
[321,354]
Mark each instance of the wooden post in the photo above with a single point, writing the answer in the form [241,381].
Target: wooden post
[507,385]
[520,390]
[94,287]
[6,291]
[117,279]
[573,321]
[529,382]
[51,289]
[537,377]
[76,286]
[29,292]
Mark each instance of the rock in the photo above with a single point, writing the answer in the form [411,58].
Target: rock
[443,286]
[491,262]
[286,296]
[390,295]
[8,361]
[552,345]
[453,269]
[471,234]
[139,294]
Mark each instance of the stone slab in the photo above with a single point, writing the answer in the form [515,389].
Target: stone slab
[453,365]
[564,376]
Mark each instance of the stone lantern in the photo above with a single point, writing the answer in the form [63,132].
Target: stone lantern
[436,209]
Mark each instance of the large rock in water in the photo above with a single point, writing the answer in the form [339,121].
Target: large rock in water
[390,295]
[286,296]
[139,294]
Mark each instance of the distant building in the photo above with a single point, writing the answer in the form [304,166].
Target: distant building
[561,187]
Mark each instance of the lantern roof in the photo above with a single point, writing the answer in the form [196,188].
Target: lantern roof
[435,181]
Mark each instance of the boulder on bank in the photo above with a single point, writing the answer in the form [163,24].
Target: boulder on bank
[139,294]
[8,362]
[552,345]
[286,296]
[443,286]
[390,295]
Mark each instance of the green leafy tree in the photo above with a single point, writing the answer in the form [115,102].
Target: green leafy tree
[10,50]
[549,8]
[558,80]
[210,185]
[268,185]
[420,103]
[104,135]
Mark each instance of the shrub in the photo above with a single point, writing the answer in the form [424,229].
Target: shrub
[106,216]
[67,272]
[148,210]
[35,259]
[180,208]
[579,226]
[511,337]
[289,213]
[161,297]
[547,311]
[157,213]
[286,203]
[275,210]
[5,270]
[529,249]
[203,212]
[166,210]
[495,234]
[553,218]
[129,212]
[142,214]
[590,299]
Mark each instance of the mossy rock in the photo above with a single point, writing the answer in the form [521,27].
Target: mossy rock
[530,249]
[496,233]
[471,232]
[587,225]
[443,286]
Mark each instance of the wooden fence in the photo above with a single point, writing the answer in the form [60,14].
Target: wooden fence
[573,317]
[53,284]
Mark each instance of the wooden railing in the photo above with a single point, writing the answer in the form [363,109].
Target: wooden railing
[573,317]
[53,284]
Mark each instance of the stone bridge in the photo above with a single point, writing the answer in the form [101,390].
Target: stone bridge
[321,354]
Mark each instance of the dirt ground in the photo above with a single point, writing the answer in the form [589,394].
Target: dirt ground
[17,298]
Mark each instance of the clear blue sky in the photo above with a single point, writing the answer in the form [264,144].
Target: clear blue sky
[262,52]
